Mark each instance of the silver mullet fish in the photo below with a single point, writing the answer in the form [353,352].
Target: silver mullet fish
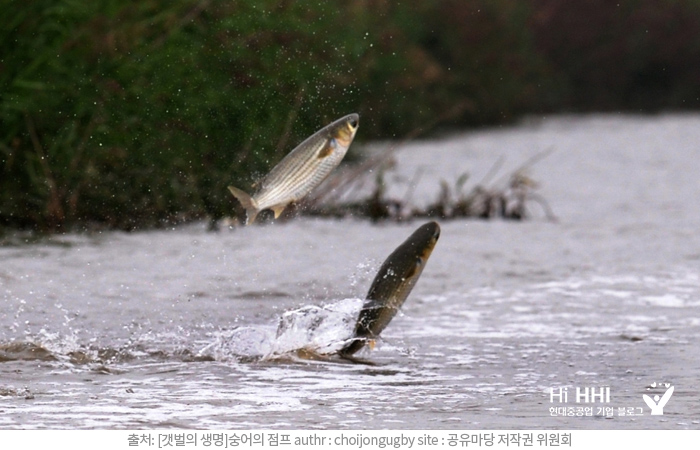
[303,169]
[391,286]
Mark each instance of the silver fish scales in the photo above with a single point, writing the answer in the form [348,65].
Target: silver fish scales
[303,169]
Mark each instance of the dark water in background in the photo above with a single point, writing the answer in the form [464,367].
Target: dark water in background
[167,328]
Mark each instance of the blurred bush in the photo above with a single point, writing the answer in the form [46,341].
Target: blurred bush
[637,55]
[138,114]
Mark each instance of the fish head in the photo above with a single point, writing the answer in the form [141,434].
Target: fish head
[406,263]
[401,270]
[343,130]
[424,239]
[412,255]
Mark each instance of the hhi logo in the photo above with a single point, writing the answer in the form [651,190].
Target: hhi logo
[583,395]
[657,404]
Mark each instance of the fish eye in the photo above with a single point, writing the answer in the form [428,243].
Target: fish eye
[353,122]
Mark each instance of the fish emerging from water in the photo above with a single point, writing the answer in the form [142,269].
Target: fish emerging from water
[303,169]
[391,286]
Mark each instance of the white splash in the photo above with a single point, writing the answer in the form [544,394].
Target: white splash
[321,329]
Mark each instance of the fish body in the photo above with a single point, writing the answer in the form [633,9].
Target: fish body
[391,286]
[303,169]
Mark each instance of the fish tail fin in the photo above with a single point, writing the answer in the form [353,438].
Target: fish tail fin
[248,203]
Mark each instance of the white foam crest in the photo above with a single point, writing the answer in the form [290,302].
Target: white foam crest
[58,344]
[322,329]
[241,342]
[667,300]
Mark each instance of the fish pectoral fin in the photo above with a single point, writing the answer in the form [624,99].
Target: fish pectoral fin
[326,151]
[412,272]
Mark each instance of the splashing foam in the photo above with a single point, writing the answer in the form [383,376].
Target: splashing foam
[320,329]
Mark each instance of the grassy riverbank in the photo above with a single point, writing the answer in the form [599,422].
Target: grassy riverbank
[132,115]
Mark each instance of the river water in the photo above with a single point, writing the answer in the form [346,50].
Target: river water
[185,328]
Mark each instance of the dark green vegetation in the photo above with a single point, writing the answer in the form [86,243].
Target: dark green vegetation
[136,114]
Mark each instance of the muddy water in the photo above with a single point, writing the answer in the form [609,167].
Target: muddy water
[190,329]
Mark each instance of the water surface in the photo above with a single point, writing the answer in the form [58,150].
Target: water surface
[181,327]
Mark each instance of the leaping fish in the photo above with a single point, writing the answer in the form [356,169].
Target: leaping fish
[301,170]
[391,286]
